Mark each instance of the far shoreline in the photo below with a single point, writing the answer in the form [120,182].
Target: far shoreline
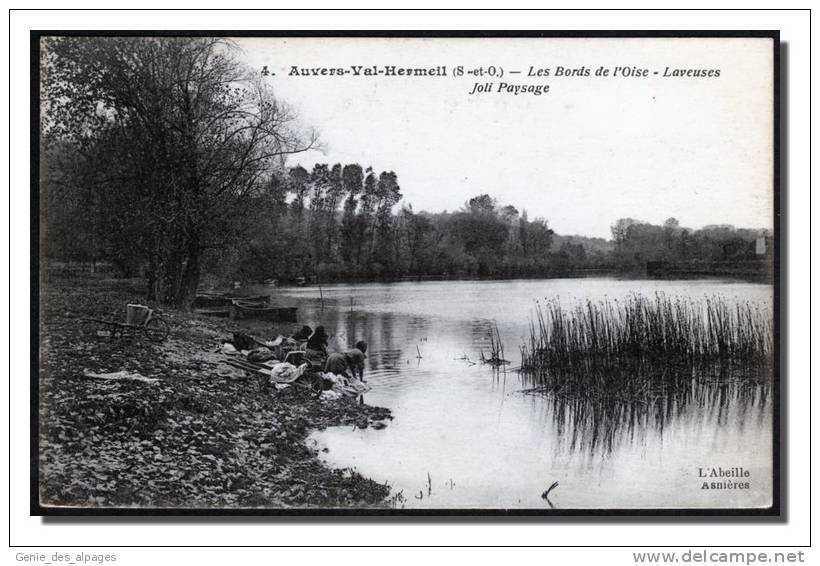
[763,279]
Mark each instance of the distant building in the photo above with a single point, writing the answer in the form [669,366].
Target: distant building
[760,245]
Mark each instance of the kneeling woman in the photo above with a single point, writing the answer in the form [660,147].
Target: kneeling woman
[316,348]
[353,360]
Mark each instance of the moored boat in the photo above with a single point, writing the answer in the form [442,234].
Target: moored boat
[211,300]
[246,309]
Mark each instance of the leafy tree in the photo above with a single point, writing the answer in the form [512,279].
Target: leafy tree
[482,232]
[417,229]
[318,228]
[352,181]
[299,184]
[388,194]
[366,232]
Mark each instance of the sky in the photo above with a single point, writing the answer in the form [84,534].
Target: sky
[591,150]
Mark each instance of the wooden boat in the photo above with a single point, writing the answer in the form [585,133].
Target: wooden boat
[222,312]
[213,300]
[245,309]
[251,302]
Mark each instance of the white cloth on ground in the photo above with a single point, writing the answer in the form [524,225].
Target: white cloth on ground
[286,373]
[121,375]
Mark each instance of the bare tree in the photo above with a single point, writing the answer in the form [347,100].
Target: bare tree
[178,132]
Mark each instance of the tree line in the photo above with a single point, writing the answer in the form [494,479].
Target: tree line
[348,222]
[636,243]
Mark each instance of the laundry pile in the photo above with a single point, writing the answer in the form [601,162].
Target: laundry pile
[300,359]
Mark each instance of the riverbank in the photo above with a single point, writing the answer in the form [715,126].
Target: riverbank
[197,437]
[755,271]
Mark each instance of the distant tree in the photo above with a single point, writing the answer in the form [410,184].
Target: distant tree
[335,192]
[671,224]
[620,230]
[509,213]
[568,258]
[366,227]
[671,234]
[482,233]
[352,181]
[417,228]
[539,239]
[319,204]
[388,194]
[482,204]
[299,185]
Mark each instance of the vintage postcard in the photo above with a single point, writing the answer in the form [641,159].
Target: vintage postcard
[407,273]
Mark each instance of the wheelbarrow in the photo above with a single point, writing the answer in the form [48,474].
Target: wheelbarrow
[140,319]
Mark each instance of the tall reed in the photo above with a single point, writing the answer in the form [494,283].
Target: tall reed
[651,330]
[614,368]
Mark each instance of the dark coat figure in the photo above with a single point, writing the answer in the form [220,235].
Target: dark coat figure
[303,334]
[244,342]
[318,340]
[316,348]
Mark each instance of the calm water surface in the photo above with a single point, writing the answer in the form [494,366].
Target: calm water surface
[465,436]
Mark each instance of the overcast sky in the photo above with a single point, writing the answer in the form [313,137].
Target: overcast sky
[590,151]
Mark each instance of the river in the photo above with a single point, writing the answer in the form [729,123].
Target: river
[465,435]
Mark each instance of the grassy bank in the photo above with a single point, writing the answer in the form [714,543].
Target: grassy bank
[198,437]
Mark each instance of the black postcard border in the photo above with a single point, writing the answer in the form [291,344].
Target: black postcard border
[775,513]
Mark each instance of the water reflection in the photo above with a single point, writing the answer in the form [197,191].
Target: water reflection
[597,426]
[484,443]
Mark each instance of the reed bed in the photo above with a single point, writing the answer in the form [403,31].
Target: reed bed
[615,368]
[658,331]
